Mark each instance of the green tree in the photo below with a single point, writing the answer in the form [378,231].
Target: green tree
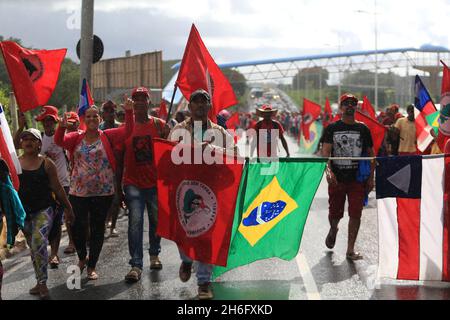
[66,91]
[311,78]
[237,81]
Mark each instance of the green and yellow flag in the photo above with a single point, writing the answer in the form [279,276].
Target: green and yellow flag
[315,133]
[433,121]
[273,204]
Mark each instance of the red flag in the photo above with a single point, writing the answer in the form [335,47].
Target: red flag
[233,122]
[162,109]
[367,108]
[199,71]
[196,203]
[33,73]
[377,130]
[327,114]
[311,111]
[444,119]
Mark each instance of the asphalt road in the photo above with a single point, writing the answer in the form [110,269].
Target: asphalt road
[316,273]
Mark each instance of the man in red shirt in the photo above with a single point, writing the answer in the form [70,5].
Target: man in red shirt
[264,131]
[139,183]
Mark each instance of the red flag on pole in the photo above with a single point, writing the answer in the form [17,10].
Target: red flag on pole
[162,109]
[377,130]
[367,108]
[196,202]
[311,111]
[444,117]
[33,73]
[327,114]
[233,122]
[199,71]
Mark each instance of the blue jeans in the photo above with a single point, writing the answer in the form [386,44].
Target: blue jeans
[204,270]
[137,199]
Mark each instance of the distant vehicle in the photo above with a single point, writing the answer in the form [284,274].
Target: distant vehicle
[271,96]
[256,93]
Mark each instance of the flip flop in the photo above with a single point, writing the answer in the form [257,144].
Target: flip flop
[354,256]
[92,275]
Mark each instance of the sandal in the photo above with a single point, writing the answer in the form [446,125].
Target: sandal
[354,256]
[92,275]
[69,250]
[331,238]
[54,262]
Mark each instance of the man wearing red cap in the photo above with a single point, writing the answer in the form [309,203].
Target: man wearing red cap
[347,138]
[264,129]
[49,118]
[139,183]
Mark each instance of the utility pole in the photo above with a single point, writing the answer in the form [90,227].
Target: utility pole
[376,57]
[87,40]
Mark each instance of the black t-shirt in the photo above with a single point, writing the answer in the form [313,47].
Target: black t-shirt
[347,141]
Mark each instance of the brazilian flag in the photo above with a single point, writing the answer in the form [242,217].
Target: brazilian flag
[315,133]
[271,210]
[433,121]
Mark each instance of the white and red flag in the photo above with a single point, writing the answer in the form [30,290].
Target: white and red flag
[7,150]
[413,218]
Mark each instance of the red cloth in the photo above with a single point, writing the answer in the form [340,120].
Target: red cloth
[139,167]
[445,98]
[311,111]
[110,138]
[233,121]
[377,130]
[199,71]
[33,73]
[327,114]
[162,113]
[367,108]
[203,232]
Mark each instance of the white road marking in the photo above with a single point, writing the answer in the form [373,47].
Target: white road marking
[310,285]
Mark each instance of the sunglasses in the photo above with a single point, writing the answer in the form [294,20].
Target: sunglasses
[350,103]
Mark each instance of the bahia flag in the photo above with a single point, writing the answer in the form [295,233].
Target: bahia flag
[413,219]
[85,102]
[196,203]
[271,210]
[327,114]
[444,117]
[367,108]
[199,71]
[424,107]
[8,151]
[377,130]
[311,111]
[33,73]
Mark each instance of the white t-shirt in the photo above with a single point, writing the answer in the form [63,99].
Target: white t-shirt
[56,153]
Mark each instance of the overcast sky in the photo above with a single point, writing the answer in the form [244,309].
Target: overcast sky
[233,30]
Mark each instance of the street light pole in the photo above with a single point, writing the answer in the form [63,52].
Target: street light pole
[87,40]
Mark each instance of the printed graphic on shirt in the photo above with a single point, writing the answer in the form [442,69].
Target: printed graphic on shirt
[347,144]
[142,146]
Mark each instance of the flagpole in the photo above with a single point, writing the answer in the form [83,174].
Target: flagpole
[171,102]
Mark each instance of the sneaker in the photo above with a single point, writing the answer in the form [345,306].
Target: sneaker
[205,292]
[134,275]
[155,263]
[185,271]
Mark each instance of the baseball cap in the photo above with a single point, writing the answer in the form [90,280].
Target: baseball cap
[140,90]
[72,116]
[48,111]
[347,96]
[199,93]
[32,131]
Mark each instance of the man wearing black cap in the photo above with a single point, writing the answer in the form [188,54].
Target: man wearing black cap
[195,130]
[347,138]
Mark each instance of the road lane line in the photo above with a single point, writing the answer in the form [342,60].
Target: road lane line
[310,285]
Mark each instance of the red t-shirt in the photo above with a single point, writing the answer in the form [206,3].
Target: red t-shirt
[267,137]
[139,168]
